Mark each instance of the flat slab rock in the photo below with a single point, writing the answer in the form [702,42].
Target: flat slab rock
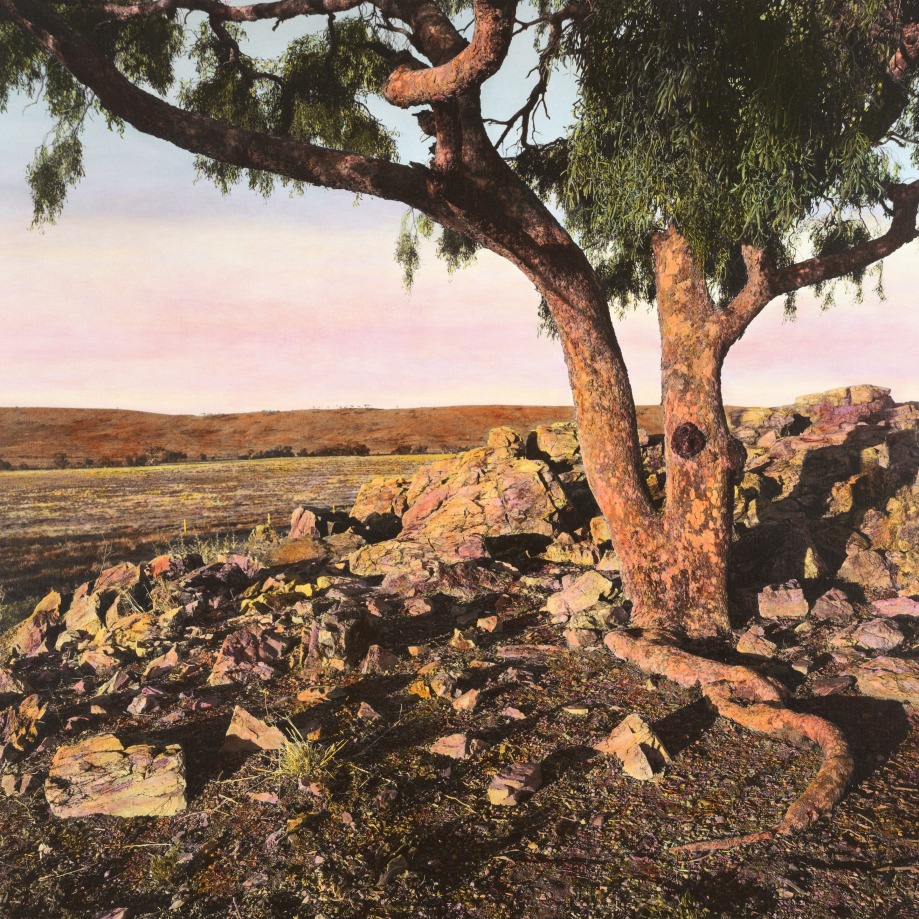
[514,783]
[890,678]
[100,776]
[247,734]
[782,601]
[458,746]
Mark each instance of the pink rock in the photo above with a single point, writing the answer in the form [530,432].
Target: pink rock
[458,746]
[514,783]
[782,601]
[247,734]
[378,660]
[581,638]
[417,606]
[467,701]
[890,678]
[367,713]
[162,665]
[303,525]
[898,606]
[513,713]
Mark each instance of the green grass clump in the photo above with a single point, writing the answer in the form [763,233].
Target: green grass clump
[167,869]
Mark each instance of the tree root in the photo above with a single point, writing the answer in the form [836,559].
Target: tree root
[756,702]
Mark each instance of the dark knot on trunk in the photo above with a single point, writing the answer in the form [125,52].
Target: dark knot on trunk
[688,440]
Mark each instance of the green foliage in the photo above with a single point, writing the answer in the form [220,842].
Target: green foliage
[407,254]
[55,170]
[830,237]
[456,250]
[736,119]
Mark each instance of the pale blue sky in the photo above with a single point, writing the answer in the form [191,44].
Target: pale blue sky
[154,293]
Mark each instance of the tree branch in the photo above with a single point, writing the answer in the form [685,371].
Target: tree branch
[280,10]
[230,54]
[411,83]
[297,160]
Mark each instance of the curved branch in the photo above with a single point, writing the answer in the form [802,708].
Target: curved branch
[412,83]
[298,160]
[905,199]
[906,57]
[279,10]
[763,711]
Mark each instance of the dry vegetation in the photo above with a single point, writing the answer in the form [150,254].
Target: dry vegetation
[57,526]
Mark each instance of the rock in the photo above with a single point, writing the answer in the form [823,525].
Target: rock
[417,606]
[172,567]
[514,783]
[488,624]
[162,665]
[442,684]
[143,705]
[342,638]
[15,786]
[513,713]
[557,444]
[898,606]
[601,617]
[308,555]
[11,685]
[135,631]
[367,713]
[581,594]
[565,551]
[467,701]
[637,746]
[378,660]
[19,725]
[753,641]
[87,613]
[120,682]
[246,734]
[100,776]
[100,660]
[581,638]
[833,606]
[381,496]
[831,686]
[124,577]
[877,635]
[782,601]
[303,524]
[868,569]
[890,678]
[36,634]
[455,505]
[316,694]
[599,532]
[249,652]
[458,746]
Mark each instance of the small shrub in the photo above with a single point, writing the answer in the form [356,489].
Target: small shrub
[167,869]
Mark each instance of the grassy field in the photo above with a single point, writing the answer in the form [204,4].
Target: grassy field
[58,527]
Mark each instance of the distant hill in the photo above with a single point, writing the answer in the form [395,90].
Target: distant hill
[35,435]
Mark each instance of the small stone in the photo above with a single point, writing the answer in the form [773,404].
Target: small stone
[247,734]
[420,688]
[142,705]
[443,684]
[581,638]
[831,686]
[515,782]
[637,746]
[263,797]
[489,624]
[513,713]
[463,641]
[753,641]
[417,606]
[782,601]
[367,713]
[873,635]
[467,701]
[15,786]
[316,694]
[162,665]
[378,660]
[418,650]
[458,746]
[576,711]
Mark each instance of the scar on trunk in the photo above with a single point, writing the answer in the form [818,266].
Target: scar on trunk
[688,440]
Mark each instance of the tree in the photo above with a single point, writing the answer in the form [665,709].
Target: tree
[711,138]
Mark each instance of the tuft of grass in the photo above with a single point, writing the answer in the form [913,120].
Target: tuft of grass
[210,549]
[167,869]
[300,758]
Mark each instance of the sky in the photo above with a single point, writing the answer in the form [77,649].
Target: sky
[153,292]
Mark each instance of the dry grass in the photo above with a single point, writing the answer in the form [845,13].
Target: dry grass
[300,758]
[59,528]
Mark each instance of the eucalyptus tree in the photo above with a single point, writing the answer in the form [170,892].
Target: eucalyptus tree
[713,142]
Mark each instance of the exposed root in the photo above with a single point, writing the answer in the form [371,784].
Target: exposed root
[756,702]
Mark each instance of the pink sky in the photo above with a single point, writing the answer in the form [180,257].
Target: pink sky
[153,293]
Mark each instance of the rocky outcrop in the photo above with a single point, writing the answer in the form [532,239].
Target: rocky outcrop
[459,508]
[100,776]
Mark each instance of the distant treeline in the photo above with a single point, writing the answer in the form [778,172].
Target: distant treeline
[158,456]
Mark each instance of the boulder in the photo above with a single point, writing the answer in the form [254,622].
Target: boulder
[556,444]
[87,613]
[342,638]
[456,506]
[303,524]
[247,734]
[873,635]
[382,497]
[782,601]
[100,776]
[868,569]
[119,578]
[897,606]
[754,641]
[250,652]
[890,678]
[514,783]
[19,724]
